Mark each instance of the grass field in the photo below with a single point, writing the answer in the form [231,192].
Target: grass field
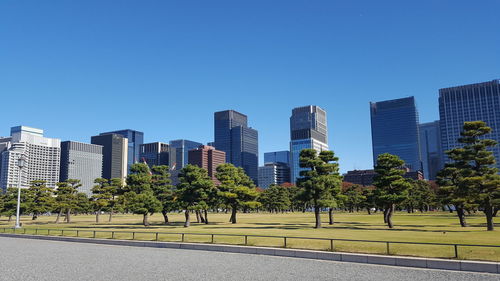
[436,227]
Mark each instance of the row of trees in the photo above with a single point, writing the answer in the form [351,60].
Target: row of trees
[469,183]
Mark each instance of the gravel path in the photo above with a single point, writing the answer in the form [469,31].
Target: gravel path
[25,259]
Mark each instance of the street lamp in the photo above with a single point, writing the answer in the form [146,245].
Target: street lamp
[21,162]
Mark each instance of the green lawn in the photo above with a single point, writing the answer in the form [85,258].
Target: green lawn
[436,227]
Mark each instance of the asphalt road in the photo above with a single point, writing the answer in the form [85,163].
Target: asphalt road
[26,259]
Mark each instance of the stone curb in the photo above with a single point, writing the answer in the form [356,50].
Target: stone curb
[442,264]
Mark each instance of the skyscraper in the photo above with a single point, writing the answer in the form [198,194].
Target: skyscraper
[239,142]
[42,157]
[81,161]
[179,156]
[135,139]
[430,148]
[277,157]
[395,130]
[472,102]
[308,129]
[273,173]
[276,169]
[208,158]
[114,155]
[155,153]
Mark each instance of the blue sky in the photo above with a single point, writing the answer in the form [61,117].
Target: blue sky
[77,68]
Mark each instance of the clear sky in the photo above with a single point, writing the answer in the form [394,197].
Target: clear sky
[77,68]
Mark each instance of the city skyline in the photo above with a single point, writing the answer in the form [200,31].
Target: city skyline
[255,57]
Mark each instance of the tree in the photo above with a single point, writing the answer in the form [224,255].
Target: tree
[66,199]
[275,198]
[10,202]
[193,189]
[476,174]
[83,204]
[320,180]
[391,187]
[236,189]
[354,197]
[163,189]
[40,198]
[116,189]
[101,196]
[420,196]
[140,198]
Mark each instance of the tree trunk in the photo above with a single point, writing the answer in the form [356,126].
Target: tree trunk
[449,208]
[330,216]
[197,216]
[145,220]
[110,215]
[233,215]
[165,217]
[389,216]
[317,216]
[461,216]
[488,211]
[202,219]
[187,222]
[10,218]
[495,212]
[58,216]
[68,215]
[97,216]
[35,216]
[369,210]
[206,216]
[386,211]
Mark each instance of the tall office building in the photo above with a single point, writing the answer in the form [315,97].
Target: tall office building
[154,154]
[308,129]
[179,152]
[179,156]
[430,149]
[81,161]
[472,102]
[239,142]
[395,130]
[276,169]
[208,158]
[42,157]
[135,139]
[114,155]
[277,157]
[273,173]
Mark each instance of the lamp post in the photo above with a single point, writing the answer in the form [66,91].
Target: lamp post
[21,162]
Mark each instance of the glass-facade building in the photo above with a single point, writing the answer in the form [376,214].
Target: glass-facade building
[240,142]
[395,130]
[430,149]
[114,155]
[154,154]
[277,157]
[472,102]
[308,129]
[179,152]
[135,139]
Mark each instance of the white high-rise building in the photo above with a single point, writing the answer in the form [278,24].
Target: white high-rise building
[42,157]
[308,129]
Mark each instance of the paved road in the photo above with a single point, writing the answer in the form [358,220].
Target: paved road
[25,259]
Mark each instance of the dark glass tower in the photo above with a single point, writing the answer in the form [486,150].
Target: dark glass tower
[114,155]
[239,142]
[135,139]
[430,149]
[395,130]
[472,102]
